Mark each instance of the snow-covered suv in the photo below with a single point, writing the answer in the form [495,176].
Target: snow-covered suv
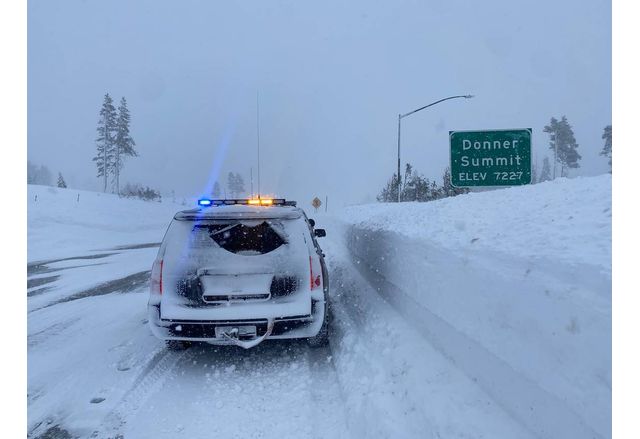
[239,272]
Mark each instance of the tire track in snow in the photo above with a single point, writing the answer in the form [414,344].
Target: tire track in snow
[53,330]
[38,267]
[326,394]
[156,371]
[274,390]
[123,285]
[368,414]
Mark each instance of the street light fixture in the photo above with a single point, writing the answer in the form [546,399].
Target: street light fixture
[401,116]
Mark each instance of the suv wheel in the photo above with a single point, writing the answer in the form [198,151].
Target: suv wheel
[322,338]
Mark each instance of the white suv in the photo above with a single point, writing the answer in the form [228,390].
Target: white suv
[239,272]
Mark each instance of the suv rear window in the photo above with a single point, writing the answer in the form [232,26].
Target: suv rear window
[242,237]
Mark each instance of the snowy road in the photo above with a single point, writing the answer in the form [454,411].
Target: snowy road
[94,373]
[102,374]
[432,336]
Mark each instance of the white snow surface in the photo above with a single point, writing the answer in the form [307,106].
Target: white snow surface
[514,285]
[59,224]
[566,220]
[486,315]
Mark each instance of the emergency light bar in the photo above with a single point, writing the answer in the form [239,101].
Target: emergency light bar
[206,202]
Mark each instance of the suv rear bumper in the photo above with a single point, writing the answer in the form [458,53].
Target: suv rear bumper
[204,330]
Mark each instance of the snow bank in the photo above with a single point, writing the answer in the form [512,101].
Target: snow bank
[567,220]
[513,285]
[80,242]
[68,222]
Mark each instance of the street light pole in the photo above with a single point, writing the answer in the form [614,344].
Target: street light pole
[401,116]
[398,179]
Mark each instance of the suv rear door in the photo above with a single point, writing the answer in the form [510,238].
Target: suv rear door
[233,269]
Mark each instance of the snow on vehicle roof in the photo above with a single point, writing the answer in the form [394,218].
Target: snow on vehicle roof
[239,211]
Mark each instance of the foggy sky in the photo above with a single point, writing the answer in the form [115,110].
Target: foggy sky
[332,78]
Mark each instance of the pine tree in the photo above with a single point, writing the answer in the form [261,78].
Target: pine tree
[235,184]
[606,149]
[61,182]
[390,192]
[421,186]
[239,184]
[552,129]
[32,170]
[123,143]
[216,190]
[105,142]
[435,192]
[545,174]
[38,174]
[563,143]
[448,190]
[231,184]
[415,187]
[408,192]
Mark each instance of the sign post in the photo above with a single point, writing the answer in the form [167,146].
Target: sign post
[490,158]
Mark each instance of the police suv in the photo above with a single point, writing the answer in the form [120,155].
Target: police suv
[238,272]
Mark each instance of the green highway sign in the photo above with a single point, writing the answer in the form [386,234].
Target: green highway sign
[490,158]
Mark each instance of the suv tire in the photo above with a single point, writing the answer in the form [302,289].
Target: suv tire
[322,338]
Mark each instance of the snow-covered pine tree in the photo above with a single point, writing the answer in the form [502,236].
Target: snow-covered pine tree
[552,129]
[61,182]
[239,184]
[106,139]
[606,149]
[407,193]
[563,144]
[448,190]
[390,192]
[38,174]
[216,190]
[435,192]
[124,143]
[545,174]
[421,185]
[231,184]
[32,169]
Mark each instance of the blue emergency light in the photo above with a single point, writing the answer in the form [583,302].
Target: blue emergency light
[204,202]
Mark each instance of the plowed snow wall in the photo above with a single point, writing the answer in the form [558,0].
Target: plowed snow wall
[532,332]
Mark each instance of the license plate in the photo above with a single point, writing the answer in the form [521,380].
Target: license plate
[236,331]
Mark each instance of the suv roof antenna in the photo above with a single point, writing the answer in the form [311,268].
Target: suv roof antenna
[258,129]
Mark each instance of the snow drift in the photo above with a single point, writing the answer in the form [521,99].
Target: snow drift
[68,222]
[513,286]
[483,315]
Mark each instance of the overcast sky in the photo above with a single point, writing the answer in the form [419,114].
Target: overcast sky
[332,78]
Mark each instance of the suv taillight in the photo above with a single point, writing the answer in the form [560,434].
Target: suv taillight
[156,277]
[314,278]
